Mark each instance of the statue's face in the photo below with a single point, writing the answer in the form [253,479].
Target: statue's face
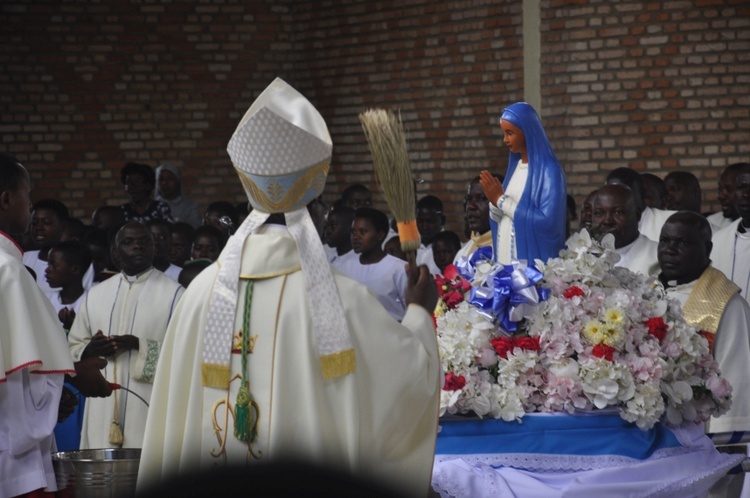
[513,137]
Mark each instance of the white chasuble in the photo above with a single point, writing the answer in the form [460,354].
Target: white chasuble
[379,421]
[732,352]
[123,305]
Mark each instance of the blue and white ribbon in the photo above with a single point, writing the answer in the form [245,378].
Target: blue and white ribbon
[505,294]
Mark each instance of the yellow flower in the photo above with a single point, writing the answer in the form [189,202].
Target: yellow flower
[440,309]
[614,316]
[593,331]
[612,335]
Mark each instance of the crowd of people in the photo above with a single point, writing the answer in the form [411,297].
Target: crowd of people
[116,286]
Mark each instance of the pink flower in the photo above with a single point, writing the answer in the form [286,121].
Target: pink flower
[718,386]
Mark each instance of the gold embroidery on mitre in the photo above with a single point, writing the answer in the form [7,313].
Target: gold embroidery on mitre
[709,297]
[276,200]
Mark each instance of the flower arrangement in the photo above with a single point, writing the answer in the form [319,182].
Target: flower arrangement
[578,334]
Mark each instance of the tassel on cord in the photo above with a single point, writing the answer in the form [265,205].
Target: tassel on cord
[115,431]
[246,409]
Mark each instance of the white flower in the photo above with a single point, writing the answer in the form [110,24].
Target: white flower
[567,368]
[672,378]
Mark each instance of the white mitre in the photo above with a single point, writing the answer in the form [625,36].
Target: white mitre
[281,151]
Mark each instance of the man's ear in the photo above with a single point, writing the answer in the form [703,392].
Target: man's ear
[442,219]
[4,200]
[709,248]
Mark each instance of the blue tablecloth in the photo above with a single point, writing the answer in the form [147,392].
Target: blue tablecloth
[560,455]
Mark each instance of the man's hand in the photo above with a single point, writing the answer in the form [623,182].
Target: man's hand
[100,345]
[491,186]
[68,402]
[66,317]
[89,379]
[125,342]
[420,287]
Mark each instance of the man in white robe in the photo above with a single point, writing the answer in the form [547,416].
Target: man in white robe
[271,355]
[728,212]
[33,353]
[711,303]
[615,211]
[731,245]
[651,220]
[477,214]
[430,221]
[124,319]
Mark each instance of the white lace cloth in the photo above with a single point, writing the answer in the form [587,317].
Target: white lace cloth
[685,471]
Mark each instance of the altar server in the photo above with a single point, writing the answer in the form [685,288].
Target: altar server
[33,353]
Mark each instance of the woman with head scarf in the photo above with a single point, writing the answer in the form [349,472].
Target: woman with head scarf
[527,211]
[169,190]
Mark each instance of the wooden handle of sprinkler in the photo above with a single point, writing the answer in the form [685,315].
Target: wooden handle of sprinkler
[411,258]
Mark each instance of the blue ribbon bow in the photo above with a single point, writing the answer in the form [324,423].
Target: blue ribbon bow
[509,292]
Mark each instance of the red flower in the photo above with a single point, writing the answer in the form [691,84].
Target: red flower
[708,336]
[528,343]
[502,346]
[604,351]
[657,328]
[454,382]
[505,345]
[453,298]
[572,291]
[451,287]
[451,272]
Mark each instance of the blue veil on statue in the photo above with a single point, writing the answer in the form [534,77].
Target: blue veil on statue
[539,219]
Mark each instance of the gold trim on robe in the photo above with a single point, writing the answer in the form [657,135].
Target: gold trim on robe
[706,302]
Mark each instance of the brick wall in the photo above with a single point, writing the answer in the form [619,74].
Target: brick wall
[88,87]
[651,85]
[655,86]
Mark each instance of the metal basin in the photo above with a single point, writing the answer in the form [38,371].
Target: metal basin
[105,473]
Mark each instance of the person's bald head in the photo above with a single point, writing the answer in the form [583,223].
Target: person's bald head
[684,247]
[615,211]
